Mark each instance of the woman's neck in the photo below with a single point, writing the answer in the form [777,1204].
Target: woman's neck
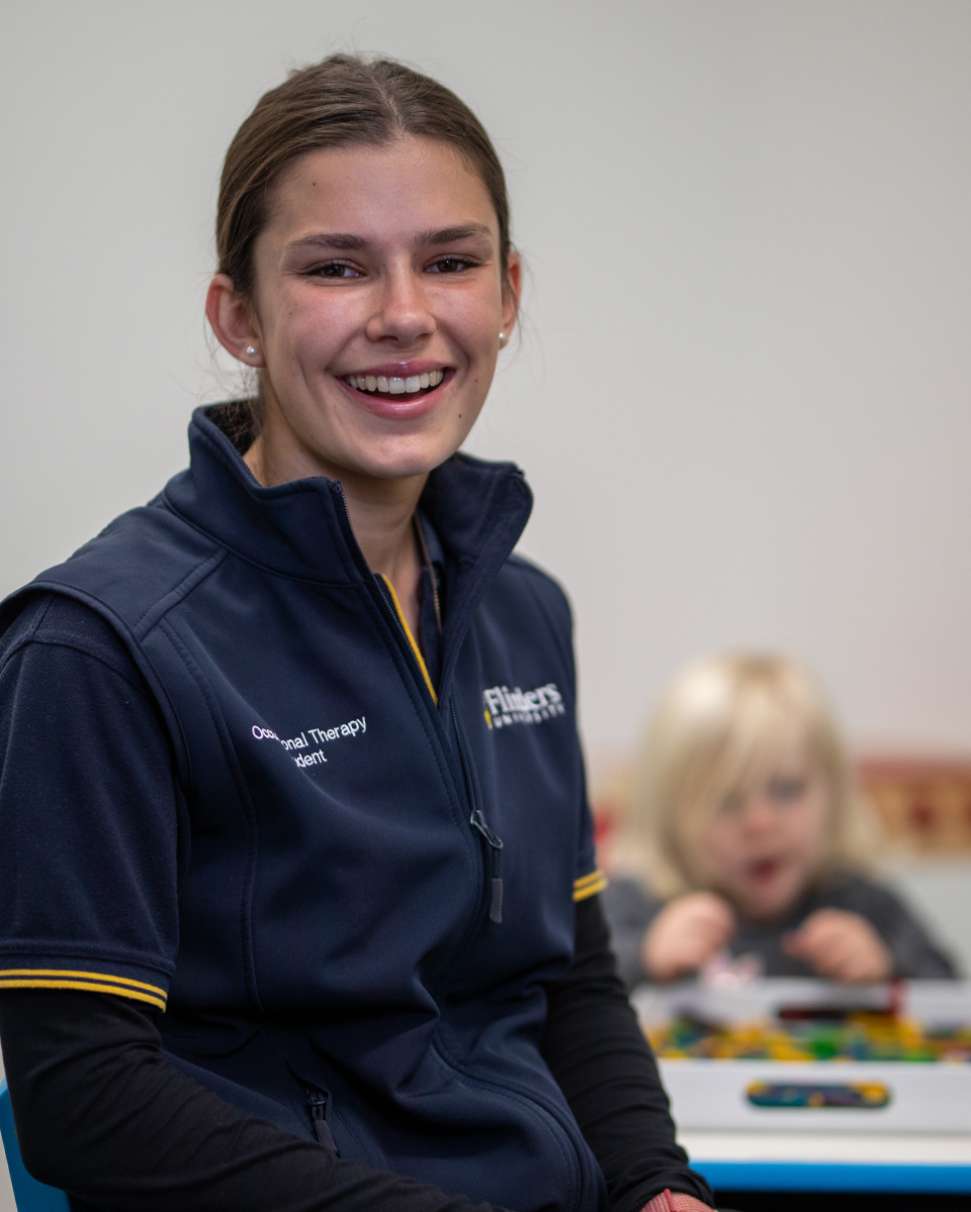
[384,525]
[381,513]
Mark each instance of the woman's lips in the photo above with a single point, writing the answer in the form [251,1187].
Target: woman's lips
[411,383]
[398,397]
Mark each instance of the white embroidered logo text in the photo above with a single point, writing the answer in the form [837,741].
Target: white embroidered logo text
[503,707]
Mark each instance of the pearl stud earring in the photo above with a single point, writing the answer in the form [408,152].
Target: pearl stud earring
[502,339]
[250,351]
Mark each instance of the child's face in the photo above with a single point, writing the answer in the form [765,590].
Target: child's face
[764,840]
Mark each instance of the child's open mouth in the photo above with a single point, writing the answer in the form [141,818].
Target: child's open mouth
[765,869]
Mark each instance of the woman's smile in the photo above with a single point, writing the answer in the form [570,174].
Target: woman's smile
[400,392]
[396,380]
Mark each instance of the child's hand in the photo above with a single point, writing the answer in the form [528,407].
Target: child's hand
[686,934]
[841,946]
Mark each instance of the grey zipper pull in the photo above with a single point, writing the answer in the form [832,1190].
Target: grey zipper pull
[493,864]
[318,1104]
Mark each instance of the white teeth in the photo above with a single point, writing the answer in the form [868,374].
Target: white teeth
[396,385]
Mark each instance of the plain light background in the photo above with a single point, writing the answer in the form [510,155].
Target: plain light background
[742,388]
[741,392]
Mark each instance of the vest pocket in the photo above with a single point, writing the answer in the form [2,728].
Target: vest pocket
[330,1110]
[571,1176]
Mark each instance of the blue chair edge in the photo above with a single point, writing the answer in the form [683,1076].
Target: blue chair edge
[29,1194]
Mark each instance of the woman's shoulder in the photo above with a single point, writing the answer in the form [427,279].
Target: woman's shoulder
[140,563]
[58,631]
[45,616]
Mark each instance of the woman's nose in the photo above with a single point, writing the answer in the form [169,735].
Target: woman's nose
[403,313]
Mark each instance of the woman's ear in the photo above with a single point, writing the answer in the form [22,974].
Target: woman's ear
[231,318]
[511,290]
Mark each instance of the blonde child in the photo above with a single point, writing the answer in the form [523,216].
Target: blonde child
[749,843]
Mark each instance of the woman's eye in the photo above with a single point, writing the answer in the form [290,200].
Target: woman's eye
[333,269]
[450,265]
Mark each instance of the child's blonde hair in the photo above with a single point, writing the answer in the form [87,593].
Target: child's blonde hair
[716,722]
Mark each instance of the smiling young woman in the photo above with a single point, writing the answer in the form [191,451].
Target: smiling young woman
[305,912]
[380,300]
[377,263]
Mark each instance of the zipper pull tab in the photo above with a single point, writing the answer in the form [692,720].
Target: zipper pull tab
[318,1104]
[494,864]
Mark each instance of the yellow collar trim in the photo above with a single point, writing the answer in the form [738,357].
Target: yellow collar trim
[412,642]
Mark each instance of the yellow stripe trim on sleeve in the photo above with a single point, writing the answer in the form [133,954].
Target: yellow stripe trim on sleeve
[10,976]
[412,643]
[89,986]
[581,894]
[589,885]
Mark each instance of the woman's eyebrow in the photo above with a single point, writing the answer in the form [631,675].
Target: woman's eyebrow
[449,235]
[342,241]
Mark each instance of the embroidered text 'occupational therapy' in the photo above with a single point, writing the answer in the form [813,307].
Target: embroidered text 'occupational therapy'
[300,746]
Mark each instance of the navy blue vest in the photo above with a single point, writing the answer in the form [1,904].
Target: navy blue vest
[375,881]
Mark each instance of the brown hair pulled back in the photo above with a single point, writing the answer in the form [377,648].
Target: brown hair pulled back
[342,100]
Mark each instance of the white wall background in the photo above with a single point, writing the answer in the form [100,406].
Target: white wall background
[742,392]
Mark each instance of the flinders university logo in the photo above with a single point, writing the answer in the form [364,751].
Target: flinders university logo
[503,707]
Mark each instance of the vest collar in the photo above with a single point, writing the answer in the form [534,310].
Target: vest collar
[300,529]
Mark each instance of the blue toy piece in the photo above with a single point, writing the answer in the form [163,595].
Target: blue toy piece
[30,1195]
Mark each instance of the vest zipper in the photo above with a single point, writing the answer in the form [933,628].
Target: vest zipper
[490,839]
[318,1106]
[491,842]
[493,863]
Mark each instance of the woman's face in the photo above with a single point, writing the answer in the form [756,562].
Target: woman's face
[762,842]
[377,309]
